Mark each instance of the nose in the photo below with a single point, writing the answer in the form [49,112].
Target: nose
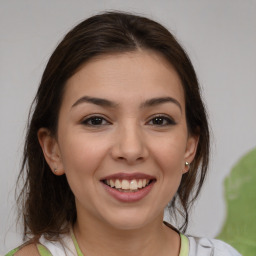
[129,145]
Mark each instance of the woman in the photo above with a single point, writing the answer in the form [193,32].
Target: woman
[118,131]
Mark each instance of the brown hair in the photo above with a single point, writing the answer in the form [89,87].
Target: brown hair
[48,205]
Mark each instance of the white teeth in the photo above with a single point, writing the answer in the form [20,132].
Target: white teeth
[128,184]
[133,185]
[118,184]
[112,183]
[140,184]
[125,184]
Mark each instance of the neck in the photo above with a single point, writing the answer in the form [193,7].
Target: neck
[95,238]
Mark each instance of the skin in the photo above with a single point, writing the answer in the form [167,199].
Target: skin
[127,139]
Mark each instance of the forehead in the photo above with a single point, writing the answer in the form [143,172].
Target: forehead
[139,74]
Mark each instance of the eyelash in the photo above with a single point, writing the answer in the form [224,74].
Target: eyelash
[160,120]
[95,119]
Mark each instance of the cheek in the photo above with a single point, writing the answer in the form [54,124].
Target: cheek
[170,155]
[81,157]
[81,152]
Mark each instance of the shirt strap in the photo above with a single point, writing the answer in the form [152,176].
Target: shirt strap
[43,251]
[184,247]
[78,251]
[11,253]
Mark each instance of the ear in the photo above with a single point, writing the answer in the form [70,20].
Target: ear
[190,152]
[51,150]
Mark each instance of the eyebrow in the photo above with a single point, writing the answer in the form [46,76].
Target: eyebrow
[96,101]
[107,103]
[161,100]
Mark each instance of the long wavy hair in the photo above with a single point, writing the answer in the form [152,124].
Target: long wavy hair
[47,204]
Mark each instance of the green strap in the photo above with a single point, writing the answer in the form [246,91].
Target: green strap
[11,253]
[78,251]
[184,248]
[43,251]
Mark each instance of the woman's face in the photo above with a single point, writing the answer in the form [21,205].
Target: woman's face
[122,138]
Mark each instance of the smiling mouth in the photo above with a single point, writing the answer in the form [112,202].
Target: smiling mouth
[127,186]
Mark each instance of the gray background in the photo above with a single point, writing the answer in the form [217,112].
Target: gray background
[220,37]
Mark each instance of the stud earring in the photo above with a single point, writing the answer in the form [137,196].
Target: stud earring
[187,164]
[55,170]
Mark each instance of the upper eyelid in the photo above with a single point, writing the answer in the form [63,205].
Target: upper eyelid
[94,116]
[164,116]
[161,115]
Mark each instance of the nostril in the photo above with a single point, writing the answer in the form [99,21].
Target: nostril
[130,159]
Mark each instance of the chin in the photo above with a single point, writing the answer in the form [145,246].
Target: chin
[131,220]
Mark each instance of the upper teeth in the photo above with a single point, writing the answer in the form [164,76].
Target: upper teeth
[128,184]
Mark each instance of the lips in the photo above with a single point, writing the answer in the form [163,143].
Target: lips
[128,187]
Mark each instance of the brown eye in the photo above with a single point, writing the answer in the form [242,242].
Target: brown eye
[161,121]
[95,121]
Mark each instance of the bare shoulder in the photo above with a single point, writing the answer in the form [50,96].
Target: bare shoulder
[28,250]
